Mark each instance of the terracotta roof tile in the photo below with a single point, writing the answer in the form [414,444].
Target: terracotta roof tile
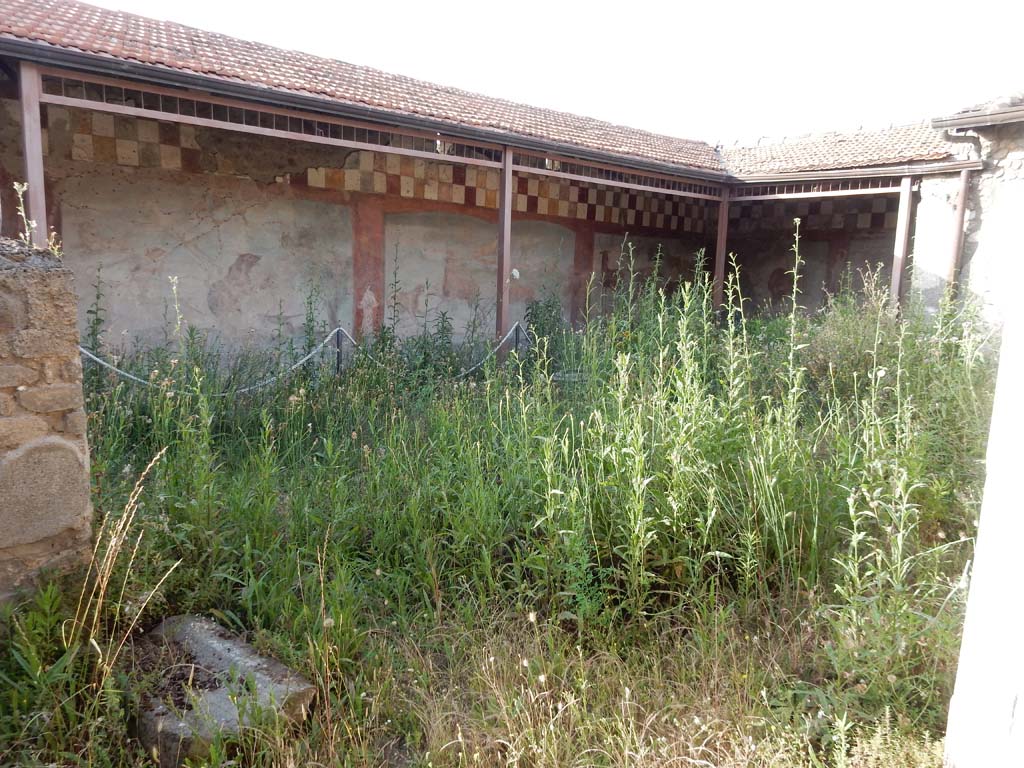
[834,151]
[83,27]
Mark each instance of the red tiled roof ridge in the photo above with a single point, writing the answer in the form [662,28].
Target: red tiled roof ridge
[199,51]
[817,136]
[836,150]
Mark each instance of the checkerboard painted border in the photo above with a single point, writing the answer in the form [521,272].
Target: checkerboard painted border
[863,212]
[100,137]
[421,179]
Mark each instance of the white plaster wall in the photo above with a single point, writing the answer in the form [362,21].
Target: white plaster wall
[994,246]
[932,247]
[447,262]
[245,255]
[986,714]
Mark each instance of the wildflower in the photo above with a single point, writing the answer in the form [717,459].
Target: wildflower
[378,572]
[328,623]
[542,679]
[354,435]
[532,618]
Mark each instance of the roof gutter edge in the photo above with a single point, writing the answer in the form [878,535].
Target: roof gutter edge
[47,54]
[906,169]
[980,120]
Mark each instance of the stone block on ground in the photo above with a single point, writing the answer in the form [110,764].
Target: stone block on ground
[210,683]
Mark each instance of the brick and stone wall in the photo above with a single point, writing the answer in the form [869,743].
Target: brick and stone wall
[45,514]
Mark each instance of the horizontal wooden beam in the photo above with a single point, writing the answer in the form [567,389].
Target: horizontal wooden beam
[740,197]
[906,169]
[210,98]
[611,182]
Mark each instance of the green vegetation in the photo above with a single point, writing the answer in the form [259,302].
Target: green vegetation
[670,538]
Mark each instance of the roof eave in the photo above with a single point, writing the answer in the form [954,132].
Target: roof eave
[902,169]
[981,119]
[57,56]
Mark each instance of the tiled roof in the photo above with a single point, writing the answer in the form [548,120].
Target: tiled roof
[82,27]
[834,151]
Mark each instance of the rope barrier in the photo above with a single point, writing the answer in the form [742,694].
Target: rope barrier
[313,353]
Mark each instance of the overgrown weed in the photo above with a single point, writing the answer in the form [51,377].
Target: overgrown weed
[657,538]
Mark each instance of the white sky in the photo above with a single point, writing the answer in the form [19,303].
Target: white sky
[711,70]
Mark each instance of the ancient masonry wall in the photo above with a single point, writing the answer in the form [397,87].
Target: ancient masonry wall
[45,512]
[993,247]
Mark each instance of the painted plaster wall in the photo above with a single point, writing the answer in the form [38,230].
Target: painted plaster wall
[248,224]
[244,257]
[841,239]
[446,262]
[211,209]
[829,263]
[677,255]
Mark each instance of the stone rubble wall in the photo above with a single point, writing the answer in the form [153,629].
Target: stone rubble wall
[993,246]
[45,513]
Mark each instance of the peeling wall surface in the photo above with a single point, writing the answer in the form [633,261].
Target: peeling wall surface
[446,263]
[243,257]
[993,247]
[934,230]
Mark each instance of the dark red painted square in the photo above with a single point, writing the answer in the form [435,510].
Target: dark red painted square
[169,134]
[190,160]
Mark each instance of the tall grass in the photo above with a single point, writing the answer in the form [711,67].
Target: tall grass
[671,535]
